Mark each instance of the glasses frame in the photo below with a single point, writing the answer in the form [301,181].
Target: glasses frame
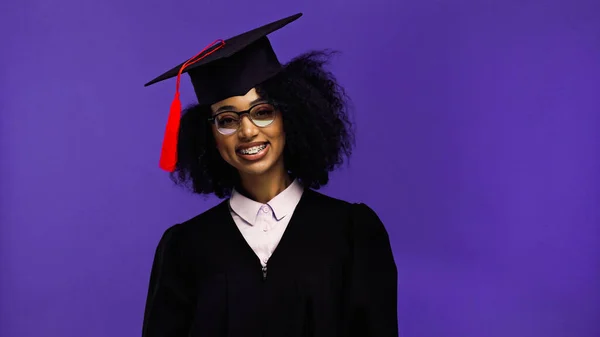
[213,119]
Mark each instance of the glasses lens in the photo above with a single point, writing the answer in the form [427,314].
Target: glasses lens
[263,114]
[227,123]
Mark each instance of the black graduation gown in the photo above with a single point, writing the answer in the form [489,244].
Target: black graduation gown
[332,274]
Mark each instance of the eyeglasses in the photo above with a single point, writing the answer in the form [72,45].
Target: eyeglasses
[228,122]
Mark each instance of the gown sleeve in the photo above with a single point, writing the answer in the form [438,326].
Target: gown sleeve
[169,301]
[374,277]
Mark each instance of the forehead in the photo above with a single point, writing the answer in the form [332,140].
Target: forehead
[240,102]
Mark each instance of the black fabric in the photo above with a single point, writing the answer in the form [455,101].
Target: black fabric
[332,274]
[244,61]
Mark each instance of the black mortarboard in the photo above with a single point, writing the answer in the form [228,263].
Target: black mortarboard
[223,69]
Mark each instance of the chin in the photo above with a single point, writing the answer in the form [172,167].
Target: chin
[265,166]
[255,169]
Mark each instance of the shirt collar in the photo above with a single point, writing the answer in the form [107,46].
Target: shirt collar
[285,202]
[282,205]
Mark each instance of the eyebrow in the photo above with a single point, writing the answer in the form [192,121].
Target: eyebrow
[232,108]
[225,107]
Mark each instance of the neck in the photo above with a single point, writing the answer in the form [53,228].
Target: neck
[265,187]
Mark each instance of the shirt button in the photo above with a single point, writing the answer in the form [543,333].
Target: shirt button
[265,209]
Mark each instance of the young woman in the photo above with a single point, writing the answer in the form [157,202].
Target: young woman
[276,257]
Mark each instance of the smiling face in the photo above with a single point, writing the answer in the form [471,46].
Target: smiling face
[252,148]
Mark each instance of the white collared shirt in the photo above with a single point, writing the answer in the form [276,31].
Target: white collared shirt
[263,225]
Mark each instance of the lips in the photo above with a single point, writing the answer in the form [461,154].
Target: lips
[250,146]
[253,151]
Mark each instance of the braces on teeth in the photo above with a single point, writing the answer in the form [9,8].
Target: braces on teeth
[253,150]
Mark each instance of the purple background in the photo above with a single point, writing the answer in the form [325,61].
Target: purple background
[477,144]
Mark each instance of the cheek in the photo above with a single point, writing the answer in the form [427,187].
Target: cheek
[221,147]
[277,131]
[220,142]
[225,147]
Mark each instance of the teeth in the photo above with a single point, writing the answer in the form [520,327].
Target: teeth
[253,150]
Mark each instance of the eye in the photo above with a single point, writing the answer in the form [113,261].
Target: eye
[264,111]
[226,119]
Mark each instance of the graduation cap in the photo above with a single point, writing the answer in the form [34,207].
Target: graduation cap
[221,70]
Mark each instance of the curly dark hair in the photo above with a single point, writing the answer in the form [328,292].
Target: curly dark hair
[316,122]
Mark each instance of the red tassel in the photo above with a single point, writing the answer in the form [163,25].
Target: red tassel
[168,157]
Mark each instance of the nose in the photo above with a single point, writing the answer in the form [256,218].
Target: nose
[247,129]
